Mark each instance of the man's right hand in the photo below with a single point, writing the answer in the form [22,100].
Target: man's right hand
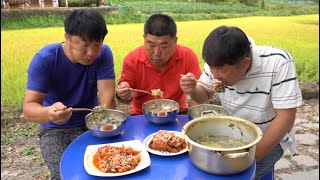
[123,92]
[59,113]
[188,83]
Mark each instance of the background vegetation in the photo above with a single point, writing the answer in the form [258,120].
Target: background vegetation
[297,34]
[129,11]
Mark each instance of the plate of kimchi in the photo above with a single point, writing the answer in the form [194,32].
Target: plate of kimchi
[116,159]
[166,143]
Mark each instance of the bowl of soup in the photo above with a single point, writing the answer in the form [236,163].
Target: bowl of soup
[161,111]
[107,123]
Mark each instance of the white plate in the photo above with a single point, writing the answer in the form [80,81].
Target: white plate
[148,139]
[135,144]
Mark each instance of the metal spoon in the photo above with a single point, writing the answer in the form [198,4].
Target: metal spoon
[210,86]
[77,109]
[206,84]
[139,90]
[96,109]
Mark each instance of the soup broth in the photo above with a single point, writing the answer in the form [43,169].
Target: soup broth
[220,141]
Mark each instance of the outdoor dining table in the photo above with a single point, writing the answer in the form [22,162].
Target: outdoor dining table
[161,167]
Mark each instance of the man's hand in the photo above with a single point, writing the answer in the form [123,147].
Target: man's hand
[59,113]
[275,131]
[188,83]
[123,92]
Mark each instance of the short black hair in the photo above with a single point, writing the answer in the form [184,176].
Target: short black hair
[160,25]
[225,45]
[86,23]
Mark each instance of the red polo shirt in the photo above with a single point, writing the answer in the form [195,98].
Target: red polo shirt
[140,74]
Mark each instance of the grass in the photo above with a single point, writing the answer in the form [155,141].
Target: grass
[29,130]
[297,34]
[28,150]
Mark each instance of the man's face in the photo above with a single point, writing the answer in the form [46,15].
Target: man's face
[159,49]
[81,51]
[231,74]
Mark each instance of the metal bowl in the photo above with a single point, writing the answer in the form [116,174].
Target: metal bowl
[204,110]
[161,111]
[99,123]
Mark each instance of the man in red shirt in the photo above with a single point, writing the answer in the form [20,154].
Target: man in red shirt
[157,64]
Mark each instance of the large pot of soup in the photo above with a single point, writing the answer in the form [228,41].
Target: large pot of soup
[221,145]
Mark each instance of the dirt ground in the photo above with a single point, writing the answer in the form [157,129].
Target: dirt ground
[20,153]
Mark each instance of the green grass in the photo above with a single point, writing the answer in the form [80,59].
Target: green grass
[7,137]
[297,34]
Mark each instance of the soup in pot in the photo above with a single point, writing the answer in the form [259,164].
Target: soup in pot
[220,141]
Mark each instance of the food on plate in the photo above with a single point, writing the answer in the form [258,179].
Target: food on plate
[157,93]
[113,159]
[218,87]
[220,141]
[167,141]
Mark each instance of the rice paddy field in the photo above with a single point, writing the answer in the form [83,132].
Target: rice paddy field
[299,35]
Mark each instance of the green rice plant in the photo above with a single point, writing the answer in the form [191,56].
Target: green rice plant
[298,35]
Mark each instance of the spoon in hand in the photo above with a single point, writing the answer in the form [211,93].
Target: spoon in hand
[99,108]
[76,109]
[138,90]
[217,87]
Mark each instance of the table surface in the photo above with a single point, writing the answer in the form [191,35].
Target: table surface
[162,167]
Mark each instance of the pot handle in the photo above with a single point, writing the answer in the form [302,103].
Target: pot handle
[207,112]
[234,155]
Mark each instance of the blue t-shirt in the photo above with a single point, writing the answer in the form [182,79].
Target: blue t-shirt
[75,85]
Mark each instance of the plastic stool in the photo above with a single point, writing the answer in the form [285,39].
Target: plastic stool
[269,175]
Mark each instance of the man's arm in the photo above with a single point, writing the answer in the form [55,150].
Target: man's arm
[199,95]
[276,130]
[106,91]
[33,110]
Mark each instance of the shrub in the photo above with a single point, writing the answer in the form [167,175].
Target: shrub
[249,2]
[27,13]
[83,3]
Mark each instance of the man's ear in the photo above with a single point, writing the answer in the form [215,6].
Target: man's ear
[65,37]
[246,61]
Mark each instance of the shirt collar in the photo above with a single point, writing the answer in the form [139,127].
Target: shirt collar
[255,63]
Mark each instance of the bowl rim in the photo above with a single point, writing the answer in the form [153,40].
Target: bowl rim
[153,100]
[112,110]
[191,114]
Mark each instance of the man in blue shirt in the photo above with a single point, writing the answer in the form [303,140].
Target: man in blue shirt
[76,73]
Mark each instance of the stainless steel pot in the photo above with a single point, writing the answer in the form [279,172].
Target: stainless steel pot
[222,161]
[204,110]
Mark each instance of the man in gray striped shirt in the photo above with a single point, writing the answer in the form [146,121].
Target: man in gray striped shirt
[260,86]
